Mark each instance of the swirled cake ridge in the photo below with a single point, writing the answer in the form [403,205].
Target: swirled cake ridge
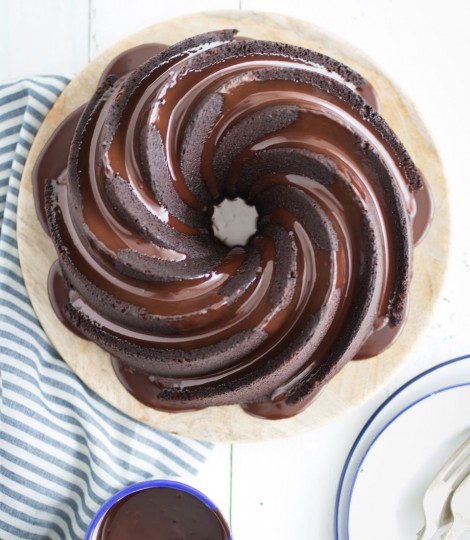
[189,321]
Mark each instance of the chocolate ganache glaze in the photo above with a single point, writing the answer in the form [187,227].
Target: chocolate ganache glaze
[162,514]
[126,189]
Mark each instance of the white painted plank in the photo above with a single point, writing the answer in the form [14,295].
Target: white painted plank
[214,478]
[42,38]
[112,20]
[286,489]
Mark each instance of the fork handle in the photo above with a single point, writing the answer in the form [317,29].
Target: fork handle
[458,528]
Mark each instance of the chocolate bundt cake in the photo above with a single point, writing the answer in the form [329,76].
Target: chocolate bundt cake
[126,188]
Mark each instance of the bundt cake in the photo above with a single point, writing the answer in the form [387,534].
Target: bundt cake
[126,188]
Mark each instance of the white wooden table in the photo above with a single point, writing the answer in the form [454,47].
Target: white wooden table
[286,489]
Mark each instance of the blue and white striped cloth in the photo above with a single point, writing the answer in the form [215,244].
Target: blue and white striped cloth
[63,449]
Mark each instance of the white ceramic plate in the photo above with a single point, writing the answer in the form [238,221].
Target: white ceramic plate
[402,461]
[454,372]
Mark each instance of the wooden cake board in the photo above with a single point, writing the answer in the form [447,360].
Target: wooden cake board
[358,380]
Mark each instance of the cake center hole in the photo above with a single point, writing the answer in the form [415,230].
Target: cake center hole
[234,221]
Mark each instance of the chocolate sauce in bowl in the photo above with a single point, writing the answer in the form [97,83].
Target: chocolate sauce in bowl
[162,514]
[188,321]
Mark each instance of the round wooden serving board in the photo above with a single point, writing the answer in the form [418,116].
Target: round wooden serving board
[358,380]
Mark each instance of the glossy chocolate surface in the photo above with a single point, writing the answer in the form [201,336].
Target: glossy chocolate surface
[162,514]
[189,321]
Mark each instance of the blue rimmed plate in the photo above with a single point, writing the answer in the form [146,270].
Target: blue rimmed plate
[368,493]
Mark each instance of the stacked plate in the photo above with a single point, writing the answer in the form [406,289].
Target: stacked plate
[398,453]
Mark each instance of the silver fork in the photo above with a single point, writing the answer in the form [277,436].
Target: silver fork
[460,507]
[436,500]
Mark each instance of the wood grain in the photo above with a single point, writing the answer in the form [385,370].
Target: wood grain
[358,380]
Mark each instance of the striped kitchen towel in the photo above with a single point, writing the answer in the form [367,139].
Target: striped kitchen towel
[63,449]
